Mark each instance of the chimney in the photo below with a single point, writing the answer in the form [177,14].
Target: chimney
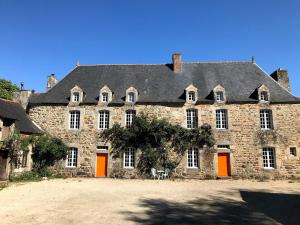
[22,97]
[51,81]
[177,64]
[282,77]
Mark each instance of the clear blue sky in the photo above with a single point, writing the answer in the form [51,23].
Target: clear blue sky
[42,37]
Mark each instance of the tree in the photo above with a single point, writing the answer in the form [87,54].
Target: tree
[47,150]
[156,138]
[7,88]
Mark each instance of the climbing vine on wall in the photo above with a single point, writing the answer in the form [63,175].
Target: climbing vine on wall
[156,138]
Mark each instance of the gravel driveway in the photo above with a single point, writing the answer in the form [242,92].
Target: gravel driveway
[109,201]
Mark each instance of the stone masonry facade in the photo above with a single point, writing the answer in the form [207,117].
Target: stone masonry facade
[244,136]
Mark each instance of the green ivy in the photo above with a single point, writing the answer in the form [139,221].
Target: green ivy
[155,138]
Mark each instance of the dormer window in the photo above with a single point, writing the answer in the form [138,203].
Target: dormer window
[104,97]
[76,97]
[191,94]
[131,97]
[264,96]
[219,96]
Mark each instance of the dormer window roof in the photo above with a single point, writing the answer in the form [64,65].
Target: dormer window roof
[191,94]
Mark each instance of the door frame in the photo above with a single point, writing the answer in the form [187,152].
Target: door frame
[96,163]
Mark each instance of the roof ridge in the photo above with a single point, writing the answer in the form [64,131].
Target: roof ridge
[162,64]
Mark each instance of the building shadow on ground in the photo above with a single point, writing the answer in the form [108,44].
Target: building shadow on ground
[256,208]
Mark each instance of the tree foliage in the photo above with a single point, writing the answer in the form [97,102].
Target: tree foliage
[15,144]
[47,150]
[155,138]
[7,88]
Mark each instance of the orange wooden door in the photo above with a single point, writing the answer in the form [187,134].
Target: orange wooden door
[101,170]
[223,165]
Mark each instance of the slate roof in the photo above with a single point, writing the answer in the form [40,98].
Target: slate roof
[159,84]
[14,111]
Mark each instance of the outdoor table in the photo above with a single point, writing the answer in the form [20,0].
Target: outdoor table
[160,173]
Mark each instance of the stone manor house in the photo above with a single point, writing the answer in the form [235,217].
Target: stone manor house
[254,117]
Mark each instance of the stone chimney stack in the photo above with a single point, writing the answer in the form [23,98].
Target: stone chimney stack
[177,63]
[22,97]
[282,77]
[51,81]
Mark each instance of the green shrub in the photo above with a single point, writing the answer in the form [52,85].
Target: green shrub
[46,151]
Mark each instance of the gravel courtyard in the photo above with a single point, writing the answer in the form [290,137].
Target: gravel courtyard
[109,201]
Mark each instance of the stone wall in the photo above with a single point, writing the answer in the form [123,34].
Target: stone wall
[244,136]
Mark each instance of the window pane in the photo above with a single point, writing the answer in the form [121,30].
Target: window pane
[105,97]
[74,120]
[266,120]
[193,158]
[221,119]
[192,118]
[72,157]
[104,119]
[130,114]
[268,157]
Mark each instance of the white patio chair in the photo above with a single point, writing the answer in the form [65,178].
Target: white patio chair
[154,174]
[166,175]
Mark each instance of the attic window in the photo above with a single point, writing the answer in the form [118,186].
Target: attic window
[104,97]
[264,96]
[220,96]
[76,97]
[131,97]
[191,96]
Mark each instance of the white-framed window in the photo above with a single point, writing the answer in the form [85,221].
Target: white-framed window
[104,97]
[193,158]
[74,122]
[266,120]
[129,116]
[223,146]
[191,96]
[76,97]
[269,158]
[102,148]
[72,157]
[128,157]
[131,97]
[293,151]
[221,119]
[264,96]
[104,119]
[191,118]
[220,96]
